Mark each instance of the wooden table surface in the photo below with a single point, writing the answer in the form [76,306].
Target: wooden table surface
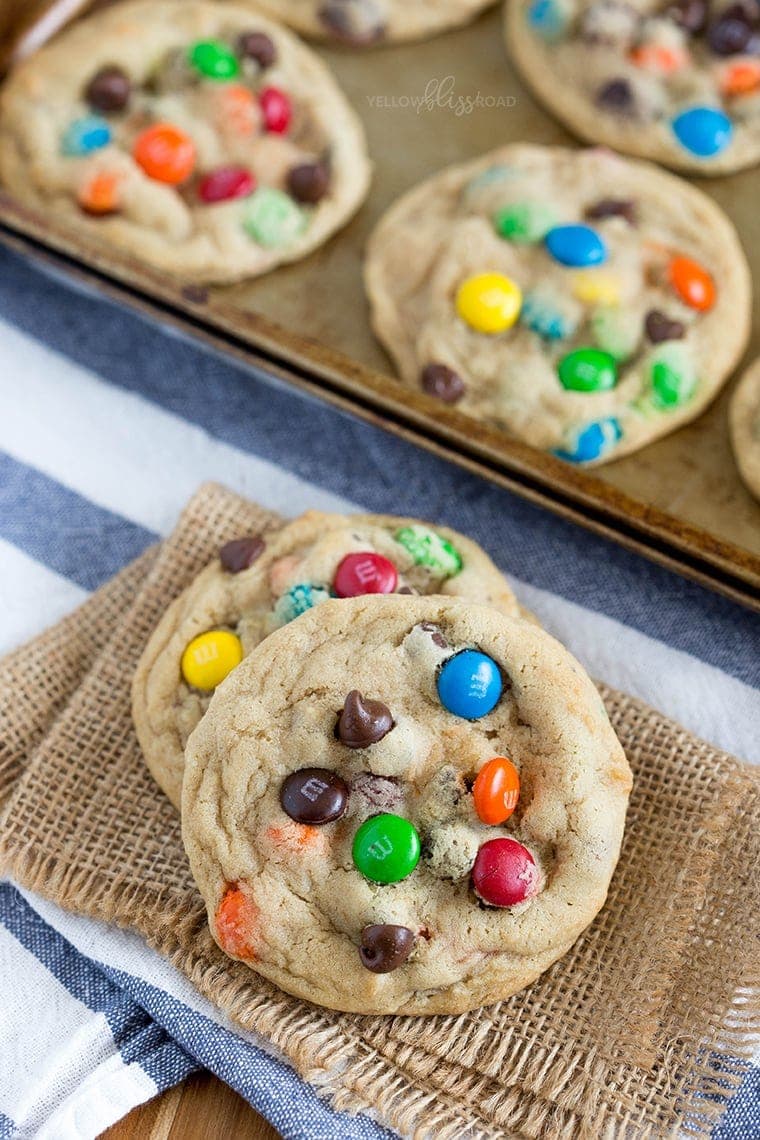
[198,1109]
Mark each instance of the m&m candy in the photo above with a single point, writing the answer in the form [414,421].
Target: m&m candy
[587,370]
[165,153]
[596,287]
[470,684]
[524,222]
[505,873]
[549,18]
[214,60]
[314,796]
[210,657]
[99,194]
[576,245]
[592,441]
[704,131]
[385,947]
[673,377]
[85,135]
[297,600]
[386,848]
[496,790]
[226,183]
[366,573]
[430,549]
[489,302]
[277,110]
[109,90]
[692,283]
[547,316]
[273,218]
[235,920]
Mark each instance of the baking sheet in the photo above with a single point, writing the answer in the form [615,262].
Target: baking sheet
[424,106]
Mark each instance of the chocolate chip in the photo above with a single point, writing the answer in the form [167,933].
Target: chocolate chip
[363,722]
[660,327]
[309,182]
[314,795]
[357,22]
[731,32]
[442,382]
[257,46]
[613,208]
[197,294]
[406,590]
[615,95]
[437,637]
[241,553]
[385,947]
[690,15]
[109,89]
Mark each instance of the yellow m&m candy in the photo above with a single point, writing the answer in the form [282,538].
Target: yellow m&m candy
[596,287]
[489,302]
[210,657]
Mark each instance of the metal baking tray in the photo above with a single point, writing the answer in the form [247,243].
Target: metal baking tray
[679,501]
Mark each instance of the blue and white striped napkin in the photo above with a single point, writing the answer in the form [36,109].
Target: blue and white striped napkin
[108,425]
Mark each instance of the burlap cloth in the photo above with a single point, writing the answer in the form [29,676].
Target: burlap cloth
[645,1027]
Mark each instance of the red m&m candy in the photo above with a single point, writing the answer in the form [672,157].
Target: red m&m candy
[365,573]
[225,183]
[165,153]
[277,109]
[496,790]
[505,873]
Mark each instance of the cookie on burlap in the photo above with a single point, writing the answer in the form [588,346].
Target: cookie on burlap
[257,585]
[202,138]
[364,23]
[677,81]
[404,805]
[585,303]
[744,419]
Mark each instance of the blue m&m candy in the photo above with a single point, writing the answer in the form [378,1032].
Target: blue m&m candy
[593,441]
[470,684]
[705,131]
[85,135]
[576,245]
[548,18]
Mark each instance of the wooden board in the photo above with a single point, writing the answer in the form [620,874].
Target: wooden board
[198,1109]
[679,501]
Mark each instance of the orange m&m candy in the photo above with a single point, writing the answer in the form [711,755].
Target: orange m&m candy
[496,790]
[235,919]
[692,283]
[100,193]
[165,153]
[741,78]
[658,57]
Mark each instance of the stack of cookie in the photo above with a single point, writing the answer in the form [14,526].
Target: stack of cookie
[398,793]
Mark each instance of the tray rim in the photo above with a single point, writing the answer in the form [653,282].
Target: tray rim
[332,376]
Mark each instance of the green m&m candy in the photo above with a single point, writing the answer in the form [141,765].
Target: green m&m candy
[386,848]
[430,549]
[524,222]
[214,59]
[587,370]
[673,377]
[272,218]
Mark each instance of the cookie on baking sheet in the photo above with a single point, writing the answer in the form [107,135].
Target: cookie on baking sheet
[365,23]
[586,303]
[258,584]
[412,805]
[677,81]
[202,138]
[744,420]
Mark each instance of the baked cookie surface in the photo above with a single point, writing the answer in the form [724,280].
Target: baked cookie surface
[677,82]
[365,23]
[263,582]
[407,805]
[586,303]
[744,420]
[202,138]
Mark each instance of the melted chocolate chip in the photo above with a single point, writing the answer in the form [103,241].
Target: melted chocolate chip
[437,637]
[241,553]
[309,182]
[690,15]
[660,327]
[442,382]
[363,722]
[257,46]
[356,22]
[314,796]
[406,590]
[615,95]
[613,208]
[731,31]
[385,947]
[109,89]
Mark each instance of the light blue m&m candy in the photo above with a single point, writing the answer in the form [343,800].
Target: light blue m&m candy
[704,131]
[85,135]
[576,245]
[470,684]
[548,18]
[593,441]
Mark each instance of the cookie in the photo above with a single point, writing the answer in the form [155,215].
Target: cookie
[202,138]
[677,82]
[412,805]
[583,302]
[366,23]
[260,583]
[744,420]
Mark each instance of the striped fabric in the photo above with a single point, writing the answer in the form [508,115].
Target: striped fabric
[108,425]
